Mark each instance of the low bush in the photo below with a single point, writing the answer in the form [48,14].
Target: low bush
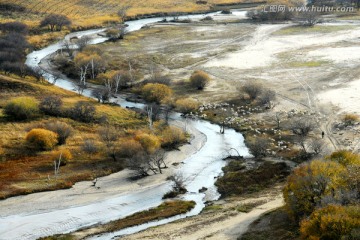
[350,119]
[332,222]
[172,137]
[64,154]
[83,112]
[42,139]
[199,79]
[22,108]
[129,147]
[51,105]
[156,92]
[149,142]
[62,129]
[186,105]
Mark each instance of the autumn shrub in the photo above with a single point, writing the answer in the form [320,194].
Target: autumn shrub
[186,105]
[149,142]
[156,92]
[258,147]
[62,129]
[64,155]
[332,222]
[129,147]
[199,79]
[22,108]
[345,157]
[172,136]
[350,119]
[42,139]
[310,183]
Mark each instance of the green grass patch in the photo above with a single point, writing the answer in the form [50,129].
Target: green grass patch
[164,210]
[212,208]
[307,64]
[294,30]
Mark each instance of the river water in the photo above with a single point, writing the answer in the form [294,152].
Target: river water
[199,170]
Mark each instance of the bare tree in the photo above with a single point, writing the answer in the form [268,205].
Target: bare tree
[82,42]
[178,182]
[141,164]
[302,126]
[55,22]
[89,146]
[253,89]
[67,46]
[309,18]
[123,12]
[317,146]
[267,98]
[258,147]
[109,136]
[278,117]
[157,159]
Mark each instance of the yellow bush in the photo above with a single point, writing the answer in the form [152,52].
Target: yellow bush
[350,119]
[309,183]
[172,136]
[65,155]
[149,142]
[199,79]
[187,105]
[345,158]
[156,92]
[332,222]
[22,108]
[42,139]
[129,147]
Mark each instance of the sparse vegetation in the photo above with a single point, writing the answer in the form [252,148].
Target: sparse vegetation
[237,181]
[22,108]
[199,79]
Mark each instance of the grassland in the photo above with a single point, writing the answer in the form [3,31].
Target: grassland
[164,210]
[317,29]
[24,171]
[86,14]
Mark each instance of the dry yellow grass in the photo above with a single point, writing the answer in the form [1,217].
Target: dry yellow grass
[93,12]
[23,170]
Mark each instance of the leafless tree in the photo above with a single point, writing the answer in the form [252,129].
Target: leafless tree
[278,117]
[82,42]
[317,146]
[302,126]
[178,182]
[79,88]
[123,12]
[55,22]
[109,135]
[258,147]
[67,46]
[267,98]
[157,160]
[253,89]
[51,105]
[141,164]
[89,146]
[309,18]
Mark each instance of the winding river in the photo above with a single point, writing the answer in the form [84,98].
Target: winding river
[199,170]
